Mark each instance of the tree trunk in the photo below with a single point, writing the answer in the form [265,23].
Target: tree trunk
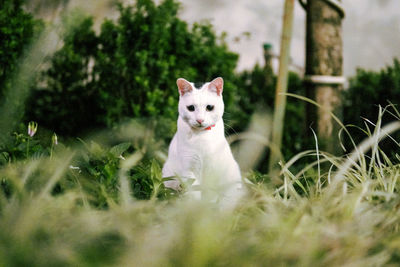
[324,56]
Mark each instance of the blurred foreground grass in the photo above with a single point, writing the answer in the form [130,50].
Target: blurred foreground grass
[76,208]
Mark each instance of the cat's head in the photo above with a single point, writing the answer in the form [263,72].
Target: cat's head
[201,107]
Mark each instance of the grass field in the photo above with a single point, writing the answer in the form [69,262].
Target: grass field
[334,212]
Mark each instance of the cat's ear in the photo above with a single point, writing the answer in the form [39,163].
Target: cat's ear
[216,85]
[183,86]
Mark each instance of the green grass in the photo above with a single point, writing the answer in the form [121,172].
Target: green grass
[338,211]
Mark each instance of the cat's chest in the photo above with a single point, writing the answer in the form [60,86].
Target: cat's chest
[205,145]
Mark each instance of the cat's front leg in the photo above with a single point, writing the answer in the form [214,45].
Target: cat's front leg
[188,181]
[191,165]
[170,170]
[181,171]
[173,184]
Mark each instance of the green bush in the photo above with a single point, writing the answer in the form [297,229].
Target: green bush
[367,91]
[129,69]
[65,100]
[17,29]
[257,91]
[96,166]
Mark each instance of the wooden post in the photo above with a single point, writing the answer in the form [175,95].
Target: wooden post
[281,88]
[324,60]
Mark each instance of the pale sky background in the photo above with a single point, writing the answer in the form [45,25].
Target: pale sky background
[371,29]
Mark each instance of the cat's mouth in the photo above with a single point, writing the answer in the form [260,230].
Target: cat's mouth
[202,127]
[199,126]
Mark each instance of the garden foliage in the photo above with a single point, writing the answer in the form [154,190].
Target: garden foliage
[129,69]
[257,88]
[367,91]
[17,29]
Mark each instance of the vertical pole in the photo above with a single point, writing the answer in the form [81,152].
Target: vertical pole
[281,88]
[324,57]
[268,70]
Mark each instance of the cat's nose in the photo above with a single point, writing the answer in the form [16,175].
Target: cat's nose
[200,121]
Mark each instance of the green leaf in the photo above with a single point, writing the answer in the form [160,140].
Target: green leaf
[4,158]
[155,171]
[119,149]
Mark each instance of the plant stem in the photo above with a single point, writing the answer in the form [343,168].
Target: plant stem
[51,151]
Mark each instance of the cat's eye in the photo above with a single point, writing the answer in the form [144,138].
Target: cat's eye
[209,107]
[190,108]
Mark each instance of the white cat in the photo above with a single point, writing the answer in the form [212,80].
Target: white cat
[199,149]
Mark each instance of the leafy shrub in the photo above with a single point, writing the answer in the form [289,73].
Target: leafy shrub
[66,98]
[257,90]
[367,91]
[17,29]
[129,69]
[96,166]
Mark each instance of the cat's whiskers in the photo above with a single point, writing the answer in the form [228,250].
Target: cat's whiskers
[230,128]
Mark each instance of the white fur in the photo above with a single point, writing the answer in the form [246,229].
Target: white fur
[200,154]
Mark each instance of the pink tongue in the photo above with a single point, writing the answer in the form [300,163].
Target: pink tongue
[209,127]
